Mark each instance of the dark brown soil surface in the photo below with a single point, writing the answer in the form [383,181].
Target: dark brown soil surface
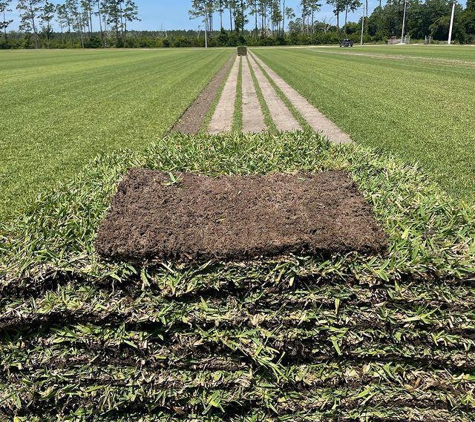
[193,118]
[198,218]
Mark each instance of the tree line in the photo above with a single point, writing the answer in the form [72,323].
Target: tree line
[430,18]
[424,19]
[75,19]
[104,23]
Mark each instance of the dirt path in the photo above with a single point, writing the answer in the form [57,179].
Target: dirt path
[281,115]
[193,118]
[315,119]
[222,120]
[252,116]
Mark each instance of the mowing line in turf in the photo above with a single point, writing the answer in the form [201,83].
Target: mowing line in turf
[281,115]
[222,120]
[423,115]
[316,120]
[252,116]
[66,107]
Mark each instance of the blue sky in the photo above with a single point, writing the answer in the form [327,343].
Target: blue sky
[173,14]
[166,14]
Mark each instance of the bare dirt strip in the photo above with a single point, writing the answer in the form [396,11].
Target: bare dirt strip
[222,120]
[252,116]
[318,121]
[201,218]
[193,118]
[281,115]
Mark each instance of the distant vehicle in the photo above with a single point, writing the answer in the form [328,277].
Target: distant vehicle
[346,43]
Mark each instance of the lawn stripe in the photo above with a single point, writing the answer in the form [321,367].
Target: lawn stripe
[280,113]
[315,119]
[222,120]
[252,116]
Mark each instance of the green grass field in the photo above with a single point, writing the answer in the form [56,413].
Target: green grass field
[61,108]
[415,101]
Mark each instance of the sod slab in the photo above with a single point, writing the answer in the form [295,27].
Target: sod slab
[188,217]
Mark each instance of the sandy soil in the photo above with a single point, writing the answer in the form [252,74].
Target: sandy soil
[252,116]
[193,118]
[281,115]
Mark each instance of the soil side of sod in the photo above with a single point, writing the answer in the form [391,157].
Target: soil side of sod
[191,217]
[194,117]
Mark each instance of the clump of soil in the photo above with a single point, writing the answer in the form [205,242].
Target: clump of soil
[190,217]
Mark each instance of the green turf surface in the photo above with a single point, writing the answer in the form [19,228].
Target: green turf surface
[303,338]
[61,108]
[415,101]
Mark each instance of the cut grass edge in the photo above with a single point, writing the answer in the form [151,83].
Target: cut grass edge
[237,116]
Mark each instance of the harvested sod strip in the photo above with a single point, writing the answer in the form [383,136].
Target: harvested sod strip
[341,337]
[189,217]
[193,119]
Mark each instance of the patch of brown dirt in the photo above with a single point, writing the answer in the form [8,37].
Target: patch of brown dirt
[222,119]
[198,218]
[193,118]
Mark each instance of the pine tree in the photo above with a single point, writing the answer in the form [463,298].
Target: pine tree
[338,7]
[87,7]
[130,14]
[4,4]
[113,18]
[240,17]
[78,18]
[202,8]
[46,16]
[314,6]
[276,15]
[29,11]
